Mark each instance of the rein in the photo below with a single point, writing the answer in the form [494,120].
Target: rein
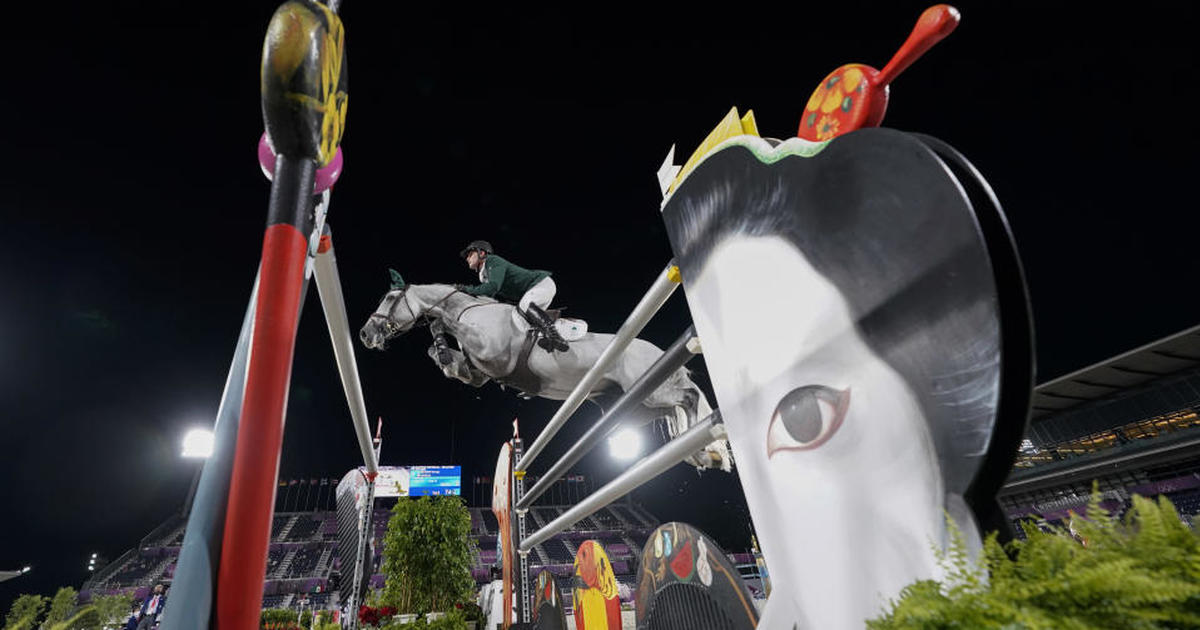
[424,319]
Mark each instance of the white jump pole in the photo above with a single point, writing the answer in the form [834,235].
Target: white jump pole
[700,435]
[329,287]
[662,289]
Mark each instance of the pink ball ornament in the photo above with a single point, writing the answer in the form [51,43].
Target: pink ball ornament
[325,178]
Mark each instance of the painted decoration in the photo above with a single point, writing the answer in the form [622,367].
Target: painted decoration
[548,611]
[686,582]
[730,126]
[303,81]
[856,95]
[594,589]
[502,508]
[867,334]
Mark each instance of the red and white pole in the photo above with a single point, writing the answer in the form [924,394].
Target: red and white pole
[304,106]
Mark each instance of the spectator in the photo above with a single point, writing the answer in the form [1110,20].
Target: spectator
[152,608]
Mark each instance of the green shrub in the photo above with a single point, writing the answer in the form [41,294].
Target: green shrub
[112,609]
[86,618]
[427,555]
[273,618]
[24,612]
[472,612]
[1140,572]
[61,606]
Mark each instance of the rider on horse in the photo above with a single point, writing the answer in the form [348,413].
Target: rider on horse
[532,290]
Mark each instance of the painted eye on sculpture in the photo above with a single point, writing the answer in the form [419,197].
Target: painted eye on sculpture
[806,418]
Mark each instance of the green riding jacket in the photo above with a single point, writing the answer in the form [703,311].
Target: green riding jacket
[504,280]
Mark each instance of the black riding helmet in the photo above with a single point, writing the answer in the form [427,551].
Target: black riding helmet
[483,246]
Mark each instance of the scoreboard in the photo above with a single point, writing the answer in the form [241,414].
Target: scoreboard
[434,480]
[412,481]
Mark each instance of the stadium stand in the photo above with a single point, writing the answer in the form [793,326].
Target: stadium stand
[278,523]
[558,552]
[304,563]
[490,524]
[606,520]
[274,558]
[305,528]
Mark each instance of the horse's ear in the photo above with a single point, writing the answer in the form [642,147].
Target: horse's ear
[397,281]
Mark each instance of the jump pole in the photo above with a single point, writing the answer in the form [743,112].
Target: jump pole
[700,435]
[675,357]
[329,287]
[256,457]
[191,604]
[302,83]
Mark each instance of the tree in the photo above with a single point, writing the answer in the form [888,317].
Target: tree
[427,555]
[24,612]
[61,606]
[84,619]
[112,609]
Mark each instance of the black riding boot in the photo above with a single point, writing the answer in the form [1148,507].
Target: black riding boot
[550,340]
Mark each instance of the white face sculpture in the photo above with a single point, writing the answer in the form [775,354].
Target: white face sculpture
[835,456]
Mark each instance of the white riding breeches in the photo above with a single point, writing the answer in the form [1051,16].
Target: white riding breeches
[541,294]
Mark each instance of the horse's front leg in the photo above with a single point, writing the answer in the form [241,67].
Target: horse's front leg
[454,365]
[441,347]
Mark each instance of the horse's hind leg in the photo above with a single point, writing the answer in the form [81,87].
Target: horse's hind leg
[687,405]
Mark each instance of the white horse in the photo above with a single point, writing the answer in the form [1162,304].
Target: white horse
[491,349]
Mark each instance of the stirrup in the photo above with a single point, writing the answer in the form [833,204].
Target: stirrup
[551,341]
[548,337]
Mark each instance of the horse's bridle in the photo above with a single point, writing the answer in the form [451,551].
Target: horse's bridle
[390,325]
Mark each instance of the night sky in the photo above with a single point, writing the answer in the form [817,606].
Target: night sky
[134,209]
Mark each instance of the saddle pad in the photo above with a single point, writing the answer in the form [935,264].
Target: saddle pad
[571,329]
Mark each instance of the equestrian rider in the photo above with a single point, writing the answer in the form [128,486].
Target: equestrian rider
[532,290]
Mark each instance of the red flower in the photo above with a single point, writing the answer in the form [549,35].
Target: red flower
[368,615]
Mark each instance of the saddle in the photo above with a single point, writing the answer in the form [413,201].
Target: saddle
[521,378]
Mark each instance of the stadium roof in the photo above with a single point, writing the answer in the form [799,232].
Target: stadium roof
[1163,357]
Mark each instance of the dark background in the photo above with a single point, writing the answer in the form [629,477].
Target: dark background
[133,212]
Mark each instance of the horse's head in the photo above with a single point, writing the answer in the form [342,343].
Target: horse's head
[395,315]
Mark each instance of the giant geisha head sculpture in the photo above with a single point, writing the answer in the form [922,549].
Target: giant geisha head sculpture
[864,323]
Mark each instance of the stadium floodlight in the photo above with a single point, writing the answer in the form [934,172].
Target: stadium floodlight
[8,575]
[198,443]
[625,444]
